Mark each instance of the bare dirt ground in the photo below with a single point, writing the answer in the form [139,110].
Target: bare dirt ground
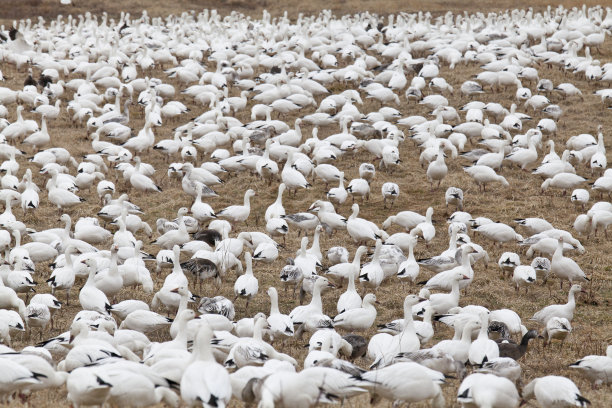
[592,321]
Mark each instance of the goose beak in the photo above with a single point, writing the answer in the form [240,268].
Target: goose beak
[175,290]
[377,302]
[465,277]
[330,285]
[421,299]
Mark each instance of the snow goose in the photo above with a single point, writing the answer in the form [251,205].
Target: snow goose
[389,191]
[312,315]
[483,349]
[502,367]
[238,213]
[409,269]
[281,325]
[488,390]
[90,297]
[60,197]
[498,232]
[359,187]
[508,261]
[304,221]
[483,175]
[175,236]
[87,387]
[534,225]
[40,138]
[63,277]
[383,347]
[553,391]
[443,302]
[454,196]
[437,170]
[338,194]
[563,181]
[362,230]
[406,219]
[246,285]
[557,328]
[144,321]
[597,369]
[564,267]
[372,273]
[358,319]
[253,350]
[566,310]
[459,349]
[205,381]
[523,275]
[291,177]
[201,211]
[406,382]
[426,229]
[276,209]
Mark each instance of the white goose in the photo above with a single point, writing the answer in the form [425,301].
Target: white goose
[566,310]
[554,391]
[358,319]
[281,325]
[362,230]
[238,213]
[564,267]
[205,381]
[90,297]
[246,285]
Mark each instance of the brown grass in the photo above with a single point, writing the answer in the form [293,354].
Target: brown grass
[592,322]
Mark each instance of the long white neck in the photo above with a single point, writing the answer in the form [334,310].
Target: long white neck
[274,303]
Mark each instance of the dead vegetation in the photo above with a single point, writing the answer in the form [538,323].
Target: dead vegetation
[592,322]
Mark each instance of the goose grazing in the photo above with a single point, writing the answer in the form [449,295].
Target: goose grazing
[390,191]
[358,319]
[523,275]
[557,328]
[597,369]
[238,213]
[204,381]
[564,267]
[488,390]
[502,367]
[406,382]
[554,391]
[246,285]
[454,196]
[483,175]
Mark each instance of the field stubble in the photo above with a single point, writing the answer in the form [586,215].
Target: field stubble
[592,321]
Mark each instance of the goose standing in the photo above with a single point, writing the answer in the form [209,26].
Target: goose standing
[564,267]
[280,324]
[483,349]
[238,213]
[205,382]
[246,285]
[566,310]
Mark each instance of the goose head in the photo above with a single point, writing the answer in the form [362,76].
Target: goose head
[181,290]
[370,299]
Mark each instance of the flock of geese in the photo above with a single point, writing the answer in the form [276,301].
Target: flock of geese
[238,94]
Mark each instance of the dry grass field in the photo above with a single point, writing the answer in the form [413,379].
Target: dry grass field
[592,321]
